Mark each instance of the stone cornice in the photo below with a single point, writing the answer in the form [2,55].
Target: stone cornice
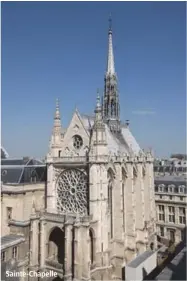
[83,160]
[19,223]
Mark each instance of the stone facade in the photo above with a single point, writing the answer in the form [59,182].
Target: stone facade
[98,209]
[99,196]
[171,199]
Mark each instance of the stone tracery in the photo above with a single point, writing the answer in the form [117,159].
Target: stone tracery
[72,192]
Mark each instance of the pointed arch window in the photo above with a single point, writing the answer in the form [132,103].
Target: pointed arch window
[124,177]
[113,108]
[143,172]
[110,199]
[92,246]
[135,174]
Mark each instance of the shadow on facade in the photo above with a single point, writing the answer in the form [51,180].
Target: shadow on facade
[179,270]
[57,245]
[58,279]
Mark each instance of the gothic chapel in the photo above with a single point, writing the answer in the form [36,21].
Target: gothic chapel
[99,200]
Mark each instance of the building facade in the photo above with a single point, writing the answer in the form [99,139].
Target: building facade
[98,210]
[171,199]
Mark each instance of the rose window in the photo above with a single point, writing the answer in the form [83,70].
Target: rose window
[72,192]
[77,142]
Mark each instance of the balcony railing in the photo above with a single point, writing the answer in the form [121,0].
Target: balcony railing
[75,159]
[104,158]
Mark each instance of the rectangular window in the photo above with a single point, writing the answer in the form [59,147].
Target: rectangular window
[172,235]
[161,217]
[9,213]
[170,198]
[161,214]
[181,198]
[14,252]
[161,208]
[3,256]
[162,231]
[183,235]
[182,215]
[171,214]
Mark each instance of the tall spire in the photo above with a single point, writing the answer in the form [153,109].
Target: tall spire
[110,60]
[111,108]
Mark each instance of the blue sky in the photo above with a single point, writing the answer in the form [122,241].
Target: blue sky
[59,49]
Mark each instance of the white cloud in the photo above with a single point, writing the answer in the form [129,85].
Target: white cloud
[143,112]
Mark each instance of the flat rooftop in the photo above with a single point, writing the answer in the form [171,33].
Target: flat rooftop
[176,269]
[139,259]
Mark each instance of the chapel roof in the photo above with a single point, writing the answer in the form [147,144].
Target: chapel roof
[123,142]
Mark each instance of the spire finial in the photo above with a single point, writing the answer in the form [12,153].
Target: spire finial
[57,103]
[110,22]
[98,102]
[98,98]
[57,111]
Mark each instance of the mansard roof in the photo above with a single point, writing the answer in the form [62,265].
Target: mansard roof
[22,171]
[169,169]
[4,153]
[170,178]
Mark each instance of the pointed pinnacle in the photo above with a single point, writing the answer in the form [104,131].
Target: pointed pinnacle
[98,103]
[57,111]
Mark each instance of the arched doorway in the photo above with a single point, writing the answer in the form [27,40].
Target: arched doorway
[56,246]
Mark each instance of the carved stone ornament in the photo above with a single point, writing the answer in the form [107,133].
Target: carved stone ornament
[56,174]
[72,186]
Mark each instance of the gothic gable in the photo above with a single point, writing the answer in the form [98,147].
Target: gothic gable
[76,138]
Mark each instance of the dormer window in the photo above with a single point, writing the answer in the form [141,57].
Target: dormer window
[171,188]
[181,188]
[161,188]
